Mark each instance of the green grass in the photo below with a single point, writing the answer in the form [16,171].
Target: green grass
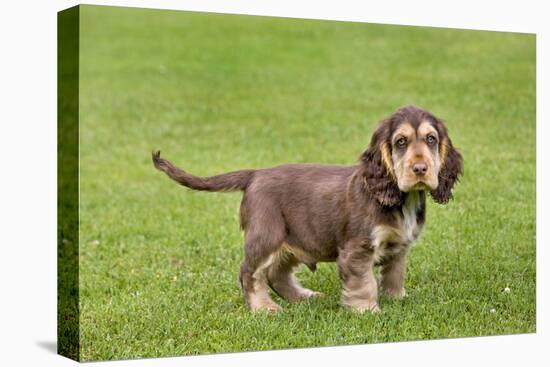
[159,263]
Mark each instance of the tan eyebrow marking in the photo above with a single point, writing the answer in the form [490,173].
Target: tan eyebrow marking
[405,129]
[425,128]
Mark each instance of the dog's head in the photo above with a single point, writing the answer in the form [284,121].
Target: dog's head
[411,150]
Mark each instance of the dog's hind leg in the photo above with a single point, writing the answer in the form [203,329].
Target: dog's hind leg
[280,276]
[263,238]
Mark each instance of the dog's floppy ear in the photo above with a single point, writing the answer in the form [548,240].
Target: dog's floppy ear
[378,169]
[451,169]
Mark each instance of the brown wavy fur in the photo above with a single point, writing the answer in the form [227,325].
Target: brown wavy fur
[306,213]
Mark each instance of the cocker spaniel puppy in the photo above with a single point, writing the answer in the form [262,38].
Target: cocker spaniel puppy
[359,216]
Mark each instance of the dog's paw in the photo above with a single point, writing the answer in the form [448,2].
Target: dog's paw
[396,293]
[316,294]
[302,294]
[264,305]
[362,308]
[268,308]
[368,308]
[308,293]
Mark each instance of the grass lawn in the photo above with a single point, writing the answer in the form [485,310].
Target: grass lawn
[159,263]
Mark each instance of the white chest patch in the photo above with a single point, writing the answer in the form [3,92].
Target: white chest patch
[409,224]
[405,232]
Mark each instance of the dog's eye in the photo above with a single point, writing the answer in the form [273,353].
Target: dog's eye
[401,142]
[431,140]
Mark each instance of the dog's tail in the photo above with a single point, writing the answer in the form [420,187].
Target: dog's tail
[231,181]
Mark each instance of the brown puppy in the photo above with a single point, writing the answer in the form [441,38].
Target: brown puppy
[359,216]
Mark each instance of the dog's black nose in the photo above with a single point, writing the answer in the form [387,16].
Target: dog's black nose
[420,169]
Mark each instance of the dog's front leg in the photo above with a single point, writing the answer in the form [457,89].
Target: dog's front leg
[355,264]
[393,275]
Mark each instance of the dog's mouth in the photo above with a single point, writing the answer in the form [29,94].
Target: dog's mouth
[426,183]
[420,184]
[411,182]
